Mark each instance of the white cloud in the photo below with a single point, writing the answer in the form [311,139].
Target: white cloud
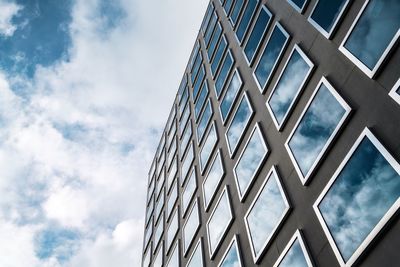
[77,151]
[7,11]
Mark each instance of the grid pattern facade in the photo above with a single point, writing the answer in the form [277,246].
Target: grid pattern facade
[282,146]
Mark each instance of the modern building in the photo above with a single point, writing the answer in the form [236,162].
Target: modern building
[282,147]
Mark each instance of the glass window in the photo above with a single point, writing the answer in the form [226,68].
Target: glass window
[395,92]
[196,259]
[171,119]
[245,20]
[150,209]
[373,34]
[228,6]
[224,72]
[208,147]
[220,220]
[171,154]
[213,179]
[171,136]
[231,257]
[210,29]
[273,51]
[294,254]
[146,259]
[185,118]
[298,4]
[173,197]
[326,14]
[236,11]
[214,41]
[250,161]
[232,92]
[257,33]
[151,190]
[241,119]
[161,162]
[147,236]
[159,229]
[172,173]
[198,83]
[207,17]
[160,183]
[360,198]
[182,87]
[218,55]
[191,227]
[204,120]
[196,66]
[185,139]
[188,191]
[159,206]
[194,55]
[158,260]
[187,162]
[185,98]
[317,126]
[174,259]
[172,229]
[266,213]
[290,83]
[201,100]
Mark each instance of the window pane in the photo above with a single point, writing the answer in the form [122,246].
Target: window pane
[196,66]
[218,55]
[227,6]
[266,213]
[174,259]
[375,29]
[191,226]
[188,192]
[196,260]
[214,41]
[205,118]
[289,85]
[159,231]
[363,191]
[182,87]
[159,258]
[245,20]
[231,94]
[212,180]
[250,161]
[172,173]
[197,84]
[326,14]
[223,74]
[201,100]
[171,154]
[298,4]
[185,98]
[294,257]
[159,206]
[185,139]
[260,27]
[207,17]
[238,124]
[172,229]
[185,118]
[210,29]
[146,260]
[236,11]
[317,127]
[232,258]
[219,221]
[172,198]
[208,147]
[271,54]
[187,162]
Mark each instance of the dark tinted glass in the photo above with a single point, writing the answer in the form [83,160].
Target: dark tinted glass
[246,18]
[326,13]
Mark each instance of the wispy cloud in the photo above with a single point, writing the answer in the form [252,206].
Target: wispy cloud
[7,12]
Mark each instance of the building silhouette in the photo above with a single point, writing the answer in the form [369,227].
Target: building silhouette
[282,147]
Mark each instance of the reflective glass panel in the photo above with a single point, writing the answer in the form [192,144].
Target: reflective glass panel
[316,128]
[298,4]
[214,41]
[218,56]
[289,86]
[174,259]
[361,194]
[208,147]
[191,226]
[172,173]
[227,6]
[207,17]
[374,30]
[189,190]
[184,119]
[231,94]
[185,98]
[159,231]
[250,161]
[223,74]
[171,154]
[266,213]
[185,139]
[270,56]
[219,221]
[198,83]
[294,257]
[236,11]
[210,29]
[232,258]
[159,258]
[146,260]
[196,260]
[259,28]
[205,118]
[159,206]
[187,162]
[172,229]
[201,100]
[239,123]
[196,66]
[245,20]
[172,198]
[327,12]
[213,179]
[182,87]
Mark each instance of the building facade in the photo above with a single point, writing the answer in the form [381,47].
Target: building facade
[282,147]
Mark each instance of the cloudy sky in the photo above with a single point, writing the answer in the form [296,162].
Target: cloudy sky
[85,88]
